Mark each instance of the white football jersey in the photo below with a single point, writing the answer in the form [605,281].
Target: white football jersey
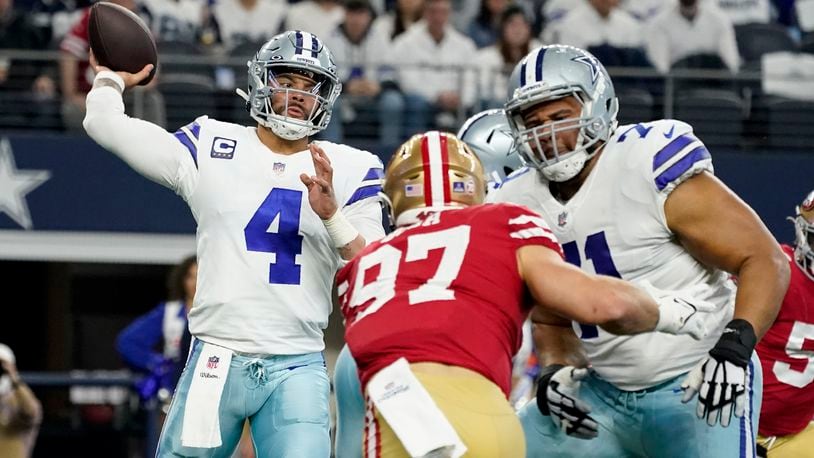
[173,20]
[615,225]
[265,261]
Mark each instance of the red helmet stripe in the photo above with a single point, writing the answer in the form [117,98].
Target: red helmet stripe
[425,160]
[445,168]
[435,158]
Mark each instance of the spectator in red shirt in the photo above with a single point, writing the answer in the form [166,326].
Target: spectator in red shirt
[76,77]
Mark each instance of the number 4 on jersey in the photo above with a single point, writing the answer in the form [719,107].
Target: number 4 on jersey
[275,228]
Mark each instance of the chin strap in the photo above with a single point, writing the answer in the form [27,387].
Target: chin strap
[243,95]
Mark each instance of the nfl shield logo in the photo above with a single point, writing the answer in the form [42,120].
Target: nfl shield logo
[212,362]
[458,186]
[278,168]
[562,219]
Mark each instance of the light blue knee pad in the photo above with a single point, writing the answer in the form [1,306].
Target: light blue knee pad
[350,407]
[647,423]
[285,398]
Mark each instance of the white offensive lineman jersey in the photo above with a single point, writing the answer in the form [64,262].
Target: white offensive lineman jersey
[615,225]
[265,260]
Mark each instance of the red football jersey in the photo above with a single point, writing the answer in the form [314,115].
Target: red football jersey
[787,356]
[446,290]
[76,43]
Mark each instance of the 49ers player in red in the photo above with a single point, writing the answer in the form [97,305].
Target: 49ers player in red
[433,312]
[787,353]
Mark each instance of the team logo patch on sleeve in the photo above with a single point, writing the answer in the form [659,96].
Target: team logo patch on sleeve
[223,148]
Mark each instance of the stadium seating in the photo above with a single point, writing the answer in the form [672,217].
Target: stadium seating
[715,114]
[791,123]
[755,40]
[635,105]
[187,97]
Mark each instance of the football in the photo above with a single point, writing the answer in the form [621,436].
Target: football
[120,40]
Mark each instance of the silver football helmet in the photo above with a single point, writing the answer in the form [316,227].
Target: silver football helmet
[804,231]
[292,52]
[488,135]
[551,73]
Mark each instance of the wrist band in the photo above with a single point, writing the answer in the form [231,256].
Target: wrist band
[542,384]
[111,76]
[340,229]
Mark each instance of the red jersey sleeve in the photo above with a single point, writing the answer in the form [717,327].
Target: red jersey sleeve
[76,41]
[525,227]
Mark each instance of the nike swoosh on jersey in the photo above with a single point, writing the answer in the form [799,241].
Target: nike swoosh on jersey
[669,133]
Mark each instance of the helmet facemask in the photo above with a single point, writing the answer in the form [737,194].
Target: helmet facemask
[804,232]
[557,72]
[295,53]
[559,165]
[267,86]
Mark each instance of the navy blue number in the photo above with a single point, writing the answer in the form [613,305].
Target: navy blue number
[597,250]
[286,242]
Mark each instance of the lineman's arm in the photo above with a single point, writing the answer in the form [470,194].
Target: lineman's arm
[146,147]
[563,289]
[554,340]
[720,230]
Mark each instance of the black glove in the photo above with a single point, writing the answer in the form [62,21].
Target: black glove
[720,378]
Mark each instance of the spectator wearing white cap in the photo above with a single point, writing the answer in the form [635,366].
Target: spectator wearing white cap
[20,410]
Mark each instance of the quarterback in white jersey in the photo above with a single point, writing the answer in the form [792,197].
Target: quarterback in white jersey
[276,217]
[640,203]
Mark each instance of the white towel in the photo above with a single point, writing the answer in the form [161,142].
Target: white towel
[415,418]
[201,426]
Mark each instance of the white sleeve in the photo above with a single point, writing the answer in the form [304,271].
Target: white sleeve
[366,216]
[147,148]
[363,208]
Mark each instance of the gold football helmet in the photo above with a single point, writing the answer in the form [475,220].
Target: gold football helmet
[434,170]
[804,228]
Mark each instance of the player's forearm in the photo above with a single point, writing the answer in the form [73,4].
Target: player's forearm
[623,308]
[557,345]
[353,248]
[366,219]
[762,284]
[146,147]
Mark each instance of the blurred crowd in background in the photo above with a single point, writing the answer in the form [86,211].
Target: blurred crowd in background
[741,71]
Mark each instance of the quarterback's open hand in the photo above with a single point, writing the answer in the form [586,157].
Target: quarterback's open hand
[681,312]
[320,186]
[557,397]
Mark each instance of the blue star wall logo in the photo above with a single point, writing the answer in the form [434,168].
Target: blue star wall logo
[15,184]
[591,63]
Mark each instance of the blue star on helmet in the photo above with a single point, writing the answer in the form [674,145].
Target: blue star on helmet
[591,63]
